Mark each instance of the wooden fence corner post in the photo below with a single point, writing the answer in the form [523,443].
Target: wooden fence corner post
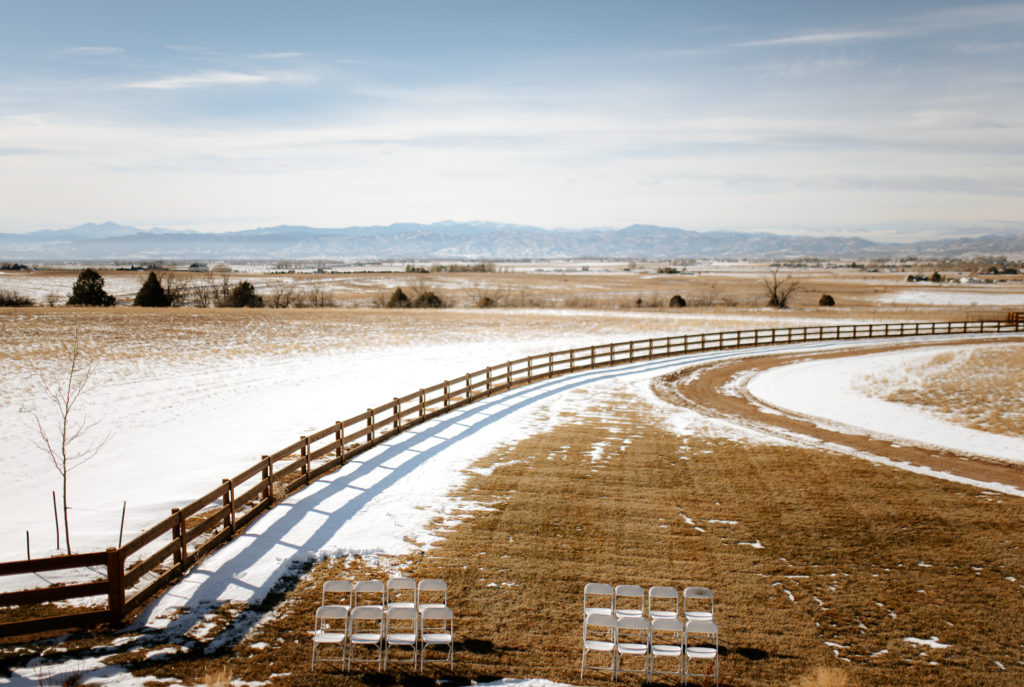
[115,585]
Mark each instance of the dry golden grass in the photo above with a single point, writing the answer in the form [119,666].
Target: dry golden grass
[981,388]
[856,558]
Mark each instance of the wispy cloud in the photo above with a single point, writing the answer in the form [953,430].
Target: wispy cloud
[92,51]
[217,78]
[825,37]
[277,55]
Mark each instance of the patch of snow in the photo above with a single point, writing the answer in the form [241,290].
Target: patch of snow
[932,642]
[752,544]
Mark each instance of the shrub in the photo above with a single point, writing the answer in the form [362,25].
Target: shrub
[428,299]
[244,296]
[399,299]
[677,301]
[152,294]
[88,290]
[936,277]
[826,300]
[11,299]
[486,302]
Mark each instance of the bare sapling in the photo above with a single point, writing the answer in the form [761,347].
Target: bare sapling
[67,437]
[780,290]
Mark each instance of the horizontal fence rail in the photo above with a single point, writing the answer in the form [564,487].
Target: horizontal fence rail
[138,570]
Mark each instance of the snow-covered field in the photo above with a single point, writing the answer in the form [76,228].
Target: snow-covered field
[382,502]
[832,392]
[186,407]
[943,294]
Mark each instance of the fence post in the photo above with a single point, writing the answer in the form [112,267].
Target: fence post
[337,437]
[446,399]
[423,403]
[115,585]
[268,474]
[397,412]
[488,380]
[369,423]
[304,452]
[178,532]
[229,500]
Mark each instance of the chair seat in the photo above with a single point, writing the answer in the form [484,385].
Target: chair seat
[402,638]
[598,645]
[329,637]
[629,613]
[663,614]
[364,638]
[402,604]
[701,652]
[631,648]
[699,615]
[436,638]
[666,650]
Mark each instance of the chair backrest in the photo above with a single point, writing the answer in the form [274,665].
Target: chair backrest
[702,627]
[633,630]
[325,614]
[703,593]
[437,620]
[371,588]
[396,588]
[336,587]
[594,600]
[621,599]
[667,631]
[599,620]
[666,599]
[372,614]
[404,617]
[437,592]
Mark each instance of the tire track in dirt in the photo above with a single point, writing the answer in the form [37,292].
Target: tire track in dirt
[703,389]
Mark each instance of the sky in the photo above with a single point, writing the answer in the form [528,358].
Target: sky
[889,120]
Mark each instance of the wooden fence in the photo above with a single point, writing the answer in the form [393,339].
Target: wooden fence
[135,572]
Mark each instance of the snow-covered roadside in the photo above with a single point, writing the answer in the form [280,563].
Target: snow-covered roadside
[829,392]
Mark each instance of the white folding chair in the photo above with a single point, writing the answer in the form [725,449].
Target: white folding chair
[367,631]
[333,587]
[668,641]
[703,611]
[632,638]
[368,593]
[331,627]
[401,628]
[598,636]
[597,598]
[437,629]
[702,651]
[431,593]
[401,592]
[628,601]
[662,602]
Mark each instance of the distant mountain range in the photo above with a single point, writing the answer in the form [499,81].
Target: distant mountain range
[470,241]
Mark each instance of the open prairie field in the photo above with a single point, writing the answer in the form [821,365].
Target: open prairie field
[818,559]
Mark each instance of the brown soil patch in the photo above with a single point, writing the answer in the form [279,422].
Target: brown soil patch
[704,391]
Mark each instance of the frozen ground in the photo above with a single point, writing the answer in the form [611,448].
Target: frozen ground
[831,391]
[382,502]
[943,294]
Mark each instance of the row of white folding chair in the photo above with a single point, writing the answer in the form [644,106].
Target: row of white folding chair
[379,630]
[400,592]
[648,640]
[627,600]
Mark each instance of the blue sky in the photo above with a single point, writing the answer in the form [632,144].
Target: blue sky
[894,120]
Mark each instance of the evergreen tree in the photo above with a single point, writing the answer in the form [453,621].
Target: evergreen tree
[244,296]
[152,294]
[88,290]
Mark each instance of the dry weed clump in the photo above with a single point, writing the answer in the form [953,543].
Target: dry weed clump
[824,677]
[982,388]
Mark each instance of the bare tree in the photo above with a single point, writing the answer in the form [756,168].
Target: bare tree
[65,441]
[779,290]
